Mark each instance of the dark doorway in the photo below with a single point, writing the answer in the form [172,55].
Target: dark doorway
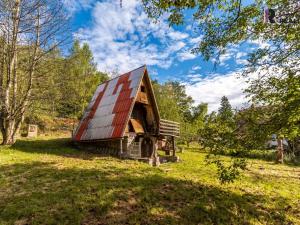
[139,112]
[147,147]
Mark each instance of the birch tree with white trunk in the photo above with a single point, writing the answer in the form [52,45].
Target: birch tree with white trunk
[29,30]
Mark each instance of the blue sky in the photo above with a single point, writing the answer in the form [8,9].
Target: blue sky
[124,38]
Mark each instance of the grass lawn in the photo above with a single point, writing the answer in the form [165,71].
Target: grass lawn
[46,181]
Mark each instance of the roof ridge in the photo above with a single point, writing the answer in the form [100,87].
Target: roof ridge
[122,75]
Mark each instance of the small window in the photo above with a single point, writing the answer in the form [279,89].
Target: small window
[130,128]
[143,89]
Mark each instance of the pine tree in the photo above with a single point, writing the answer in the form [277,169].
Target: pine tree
[225,112]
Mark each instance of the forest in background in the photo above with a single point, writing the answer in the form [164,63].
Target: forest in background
[72,80]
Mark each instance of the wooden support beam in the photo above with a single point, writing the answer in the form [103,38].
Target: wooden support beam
[121,147]
[173,145]
[169,134]
[169,129]
[169,121]
[169,125]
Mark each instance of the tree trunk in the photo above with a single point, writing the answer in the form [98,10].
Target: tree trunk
[7,120]
[8,139]
[280,150]
[8,133]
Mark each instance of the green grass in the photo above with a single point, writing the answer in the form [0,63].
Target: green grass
[46,181]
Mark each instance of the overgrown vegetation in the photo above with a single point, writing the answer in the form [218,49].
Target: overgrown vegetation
[46,181]
[272,70]
[228,130]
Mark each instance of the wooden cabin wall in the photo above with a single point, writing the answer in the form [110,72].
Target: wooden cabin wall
[150,115]
[144,98]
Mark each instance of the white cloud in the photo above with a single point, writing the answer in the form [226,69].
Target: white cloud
[241,61]
[192,77]
[175,35]
[211,90]
[241,54]
[224,57]
[259,42]
[230,53]
[122,38]
[73,6]
[185,55]
[233,52]
[241,58]
[196,40]
[196,68]
[176,46]
[189,27]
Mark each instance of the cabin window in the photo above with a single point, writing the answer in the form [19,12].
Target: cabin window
[143,89]
[130,128]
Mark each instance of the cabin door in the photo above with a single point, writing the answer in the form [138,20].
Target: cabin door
[147,148]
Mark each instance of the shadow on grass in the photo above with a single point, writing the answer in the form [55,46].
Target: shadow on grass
[40,193]
[58,146]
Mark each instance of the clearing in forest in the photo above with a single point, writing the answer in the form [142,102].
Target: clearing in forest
[46,181]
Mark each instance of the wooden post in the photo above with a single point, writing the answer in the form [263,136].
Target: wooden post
[173,145]
[280,150]
[121,147]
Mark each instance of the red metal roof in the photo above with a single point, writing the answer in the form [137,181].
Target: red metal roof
[108,112]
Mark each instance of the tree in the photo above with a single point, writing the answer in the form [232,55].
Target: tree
[225,111]
[219,135]
[29,31]
[78,81]
[184,101]
[193,123]
[167,102]
[226,23]
[46,93]
[281,96]
[223,23]
[253,129]
[69,85]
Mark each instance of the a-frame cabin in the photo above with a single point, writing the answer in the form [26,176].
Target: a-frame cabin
[123,118]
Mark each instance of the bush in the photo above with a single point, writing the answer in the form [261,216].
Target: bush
[49,124]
